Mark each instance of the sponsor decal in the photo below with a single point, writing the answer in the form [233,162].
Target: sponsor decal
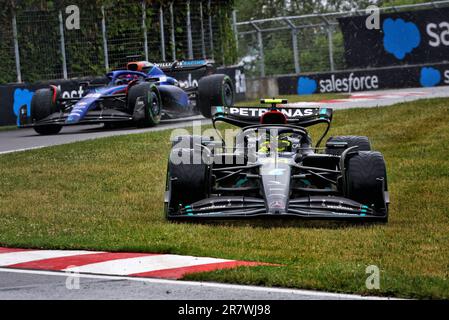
[257,112]
[274,160]
[438,34]
[22,97]
[400,37]
[306,85]
[82,107]
[72,93]
[430,77]
[240,81]
[276,172]
[277,204]
[349,83]
[189,82]
[340,208]
[406,38]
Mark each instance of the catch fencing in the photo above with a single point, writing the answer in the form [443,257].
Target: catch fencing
[36,44]
[300,44]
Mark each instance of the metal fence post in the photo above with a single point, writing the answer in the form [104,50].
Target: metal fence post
[331,47]
[144,28]
[63,55]
[295,51]
[189,32]
[260,45]
[294,45]
[105,39]
[172,32]
[203,44]
[16,48]
[222,31]
[234,28]
[330,41]
[262,55]
[211,31]
[161,25]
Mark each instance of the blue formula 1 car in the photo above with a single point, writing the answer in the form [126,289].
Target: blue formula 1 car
[141,95]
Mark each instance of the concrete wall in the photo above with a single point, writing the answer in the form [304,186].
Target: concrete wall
[258,88]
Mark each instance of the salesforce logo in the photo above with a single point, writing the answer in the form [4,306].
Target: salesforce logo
[22,97]
[400,37]
[306,85]
[429,77]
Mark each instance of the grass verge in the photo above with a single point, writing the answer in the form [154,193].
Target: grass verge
[107,194]
[7,128]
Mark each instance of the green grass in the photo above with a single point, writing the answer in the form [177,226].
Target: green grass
[107,194]
[7,128]
[299,98]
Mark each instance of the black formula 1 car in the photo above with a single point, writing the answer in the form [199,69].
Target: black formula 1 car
[142,94]
[273,170]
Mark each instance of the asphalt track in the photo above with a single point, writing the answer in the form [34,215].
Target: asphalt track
[44,285]
[25,139]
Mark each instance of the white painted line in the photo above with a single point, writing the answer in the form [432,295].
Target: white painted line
[309,293]
[143,264]
[21,150]
[11,258]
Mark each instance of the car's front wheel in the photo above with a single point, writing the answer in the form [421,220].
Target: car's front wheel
[366,181]
[214,90]
[188,179]
[43,104]
[332,144]
[145,104]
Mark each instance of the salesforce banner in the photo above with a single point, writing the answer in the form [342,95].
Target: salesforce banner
[414,37]
[13,96]
[428,75]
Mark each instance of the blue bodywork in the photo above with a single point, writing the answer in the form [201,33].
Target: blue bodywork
[118,82]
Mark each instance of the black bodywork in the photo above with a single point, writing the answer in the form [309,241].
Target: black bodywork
[292,180]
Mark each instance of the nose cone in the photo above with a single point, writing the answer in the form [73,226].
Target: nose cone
[276,184]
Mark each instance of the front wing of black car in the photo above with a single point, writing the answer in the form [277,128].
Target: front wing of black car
[308,207]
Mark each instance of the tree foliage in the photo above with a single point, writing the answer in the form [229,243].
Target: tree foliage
[313,42]
[39,35]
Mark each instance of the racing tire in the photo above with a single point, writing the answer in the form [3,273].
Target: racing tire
[43,104]
[214,90]
[362,143]
[152,103]
[366,181]
[186,182]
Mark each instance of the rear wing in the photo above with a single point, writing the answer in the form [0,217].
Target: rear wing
[185,65]
[247,116]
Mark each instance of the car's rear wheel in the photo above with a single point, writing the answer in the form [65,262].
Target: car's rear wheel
[366,180]
[43,104]
[362,143]
[188,179]
[214,90]
[145,96]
